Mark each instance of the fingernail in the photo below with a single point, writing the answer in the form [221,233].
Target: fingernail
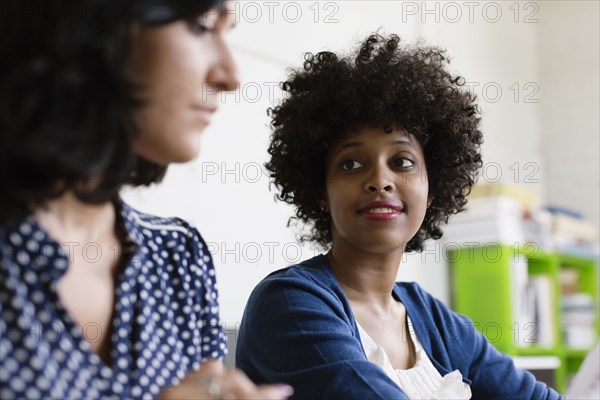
[285,390]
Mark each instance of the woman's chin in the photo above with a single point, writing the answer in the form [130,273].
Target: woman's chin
[172,156]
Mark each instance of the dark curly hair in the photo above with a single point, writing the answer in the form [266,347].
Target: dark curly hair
[67,99]
[382,84]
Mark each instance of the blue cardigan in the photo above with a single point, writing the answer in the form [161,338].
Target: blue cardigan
[298,328]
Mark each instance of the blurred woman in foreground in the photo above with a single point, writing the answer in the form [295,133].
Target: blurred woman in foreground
[99,299]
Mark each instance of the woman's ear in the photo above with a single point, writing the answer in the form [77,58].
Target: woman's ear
[429,200]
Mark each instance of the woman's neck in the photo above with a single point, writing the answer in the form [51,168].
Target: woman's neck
[68,219]
[365,277]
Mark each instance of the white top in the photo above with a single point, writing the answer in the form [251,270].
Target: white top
[422,381]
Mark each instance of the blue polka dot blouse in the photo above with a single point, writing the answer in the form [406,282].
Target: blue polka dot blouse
[166,319]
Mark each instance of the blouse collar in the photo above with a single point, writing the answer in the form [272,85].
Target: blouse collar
[34,249]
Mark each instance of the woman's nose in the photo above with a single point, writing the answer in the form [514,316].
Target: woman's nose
[223,76]
[379,181]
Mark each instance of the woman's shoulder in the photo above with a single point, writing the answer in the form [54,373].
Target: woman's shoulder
[302,294]
[167,241]
[309,280]
[144,227]
[155,223]
[314,271]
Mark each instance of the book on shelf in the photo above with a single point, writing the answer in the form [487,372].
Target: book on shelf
[497,219]
[490,207]
[492,216]
[578,310]
[579,228]
[554,209]
[579,250]
[524,195]
[572,233]
[579,319]
[532,306]
[522,313]
[544,310]
[479,232]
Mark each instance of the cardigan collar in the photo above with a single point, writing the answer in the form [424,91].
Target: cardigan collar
[400,292]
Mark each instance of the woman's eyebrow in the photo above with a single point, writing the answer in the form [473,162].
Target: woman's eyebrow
[225,13]
[404,142]
[350,144]
[361,144]
[345,146]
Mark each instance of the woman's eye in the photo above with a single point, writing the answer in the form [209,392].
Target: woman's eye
[350,165]
[403,163]
[200,27]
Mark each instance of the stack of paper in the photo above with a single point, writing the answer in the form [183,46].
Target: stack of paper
[498,219]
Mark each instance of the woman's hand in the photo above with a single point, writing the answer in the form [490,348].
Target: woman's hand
[212,381]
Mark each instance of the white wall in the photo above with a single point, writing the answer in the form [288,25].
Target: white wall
[226,197]
[569,64]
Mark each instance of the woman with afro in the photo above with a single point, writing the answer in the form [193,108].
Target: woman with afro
[375,150]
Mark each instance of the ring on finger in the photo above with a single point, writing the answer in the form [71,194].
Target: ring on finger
[211,386]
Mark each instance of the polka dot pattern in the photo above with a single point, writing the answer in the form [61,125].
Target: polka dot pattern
[166,314]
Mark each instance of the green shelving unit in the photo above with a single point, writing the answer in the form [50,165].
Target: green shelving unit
[482,288]
[587,283]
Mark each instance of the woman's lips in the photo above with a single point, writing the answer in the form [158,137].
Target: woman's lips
[381,210]
[204,113]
